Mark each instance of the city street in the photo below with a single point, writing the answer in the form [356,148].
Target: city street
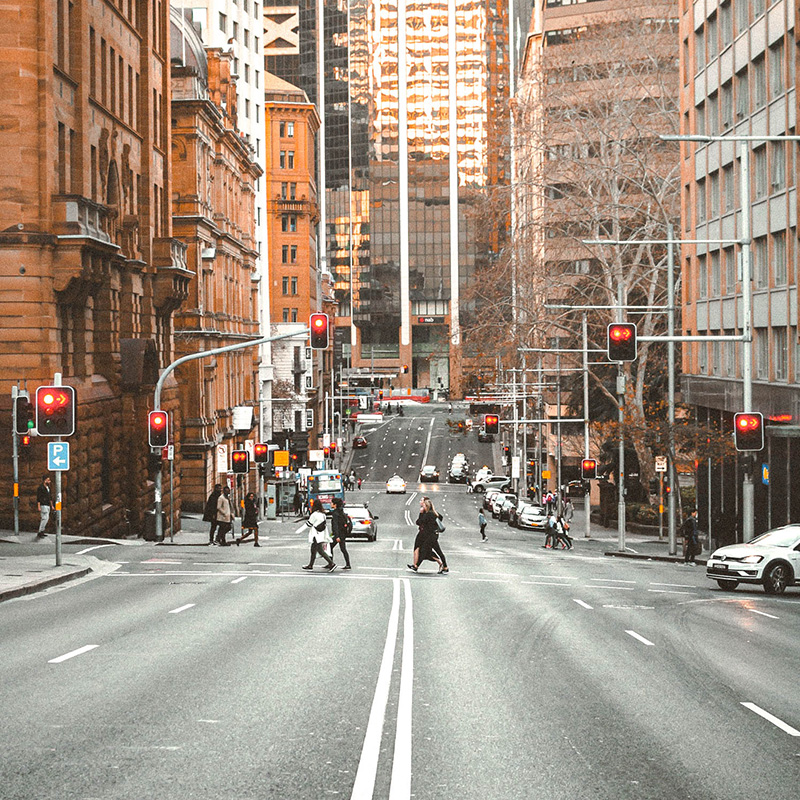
[524,673]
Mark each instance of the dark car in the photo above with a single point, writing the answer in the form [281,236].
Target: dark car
[457,474]
[429,473]
[359,441]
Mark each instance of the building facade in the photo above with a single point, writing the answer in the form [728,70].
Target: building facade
[214,175]
[738,78]
[90,274]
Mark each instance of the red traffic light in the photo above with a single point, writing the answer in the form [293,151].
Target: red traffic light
[491,423]
[25,440]
[318,323]
[55,410]
[748,431]
[260,453]
[240,461]
[588,469]
[622,341]
[158,428]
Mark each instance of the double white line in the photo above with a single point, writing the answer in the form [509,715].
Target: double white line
[400,786]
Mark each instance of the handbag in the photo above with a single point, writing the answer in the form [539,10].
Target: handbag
[440,526]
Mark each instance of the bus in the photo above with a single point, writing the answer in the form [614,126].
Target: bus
[325,484]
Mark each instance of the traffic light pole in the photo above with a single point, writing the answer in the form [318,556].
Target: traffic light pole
[15,458]
[168,370]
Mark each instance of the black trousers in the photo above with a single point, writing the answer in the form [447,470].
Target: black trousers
[343,547]
[318,549]
[222,531]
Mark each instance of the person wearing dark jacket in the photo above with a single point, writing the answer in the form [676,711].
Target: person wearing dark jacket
[210,511]
[250,520]
[691,538]
[426,545]
[340,530]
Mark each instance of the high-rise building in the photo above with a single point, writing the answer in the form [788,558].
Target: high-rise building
[738,78]
[405,87]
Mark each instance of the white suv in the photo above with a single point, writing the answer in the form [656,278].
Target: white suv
[491,482]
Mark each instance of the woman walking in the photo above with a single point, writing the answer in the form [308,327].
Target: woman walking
[250,520]
[318,536]
[340,530]
[426,545]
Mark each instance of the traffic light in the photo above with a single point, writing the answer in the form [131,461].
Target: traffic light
[260,453]
[25,441]
[404,369]
[326,451]
[588,469]
[55,411]
[333,448]
[241,461]
[622,341]
[158,429]
[24,414]
[491,423]
[748,431]
[318,323]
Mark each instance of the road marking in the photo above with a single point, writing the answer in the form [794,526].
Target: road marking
[400,786]
[160,561]
[675,585]
[182,608]
[239,580]
[666,591]
[485,580]
[398,544]
[427,444]
[79,652]
[640,638]
[618,588]
[555,577]
[763,613]
[364,784]
[610,580]
[779,723]
[545,583]
[95,547]
[582,604]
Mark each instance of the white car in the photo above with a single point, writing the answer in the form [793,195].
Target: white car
[483,472]
[492,482]
[364,522]
[395,485]
[532,517]
[772,560]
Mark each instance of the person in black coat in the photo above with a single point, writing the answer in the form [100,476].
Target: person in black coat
[250,520]
[210,511]
[340,530]
[426,545]
[691,538]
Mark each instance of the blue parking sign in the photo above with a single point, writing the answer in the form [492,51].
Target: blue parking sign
[58,456]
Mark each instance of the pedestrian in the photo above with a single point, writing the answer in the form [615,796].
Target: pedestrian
[691,539]
[297,502]
[341,528]
[224,516]
[44,502]
[210,511]
[550,531]
[351,480]
[426,544]
[318,536]
[359,483]
[250,520]
[482,523]
[562,536]
[568,512]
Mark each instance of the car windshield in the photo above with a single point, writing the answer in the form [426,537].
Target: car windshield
[781,537]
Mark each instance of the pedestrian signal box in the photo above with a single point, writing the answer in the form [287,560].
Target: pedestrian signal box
[748,431]
[158,429]
[260,453]
[318,324]
[240,461]
[588,469]
[622,341]
[491,423]
[55,411]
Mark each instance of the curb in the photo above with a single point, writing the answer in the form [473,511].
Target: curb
[38,586]
[646,557]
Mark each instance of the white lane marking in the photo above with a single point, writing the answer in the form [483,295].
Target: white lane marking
[555,577]
[582,604]
[239,580]
[182,608]
[364,784]
[95,547]
[610,580]
[545,583]
[675,585]
[398,544]
[640,638]
[618,588]
[484,580]
[666,591]
[160,561]
[779,723]
[408,518]
[763,613]
[80,651]
[400,786]
[427,445]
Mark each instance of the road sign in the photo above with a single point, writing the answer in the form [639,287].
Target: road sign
[661,463]
[58,456]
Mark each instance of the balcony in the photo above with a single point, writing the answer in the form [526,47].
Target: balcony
[172,277]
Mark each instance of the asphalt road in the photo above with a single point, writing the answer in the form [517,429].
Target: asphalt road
[524,673]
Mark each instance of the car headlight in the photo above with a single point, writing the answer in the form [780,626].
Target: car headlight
[752,559]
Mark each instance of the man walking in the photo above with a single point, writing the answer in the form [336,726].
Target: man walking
[691,539]
[341,528]
[210,511]
[482,524]
[44,503]
[224,516]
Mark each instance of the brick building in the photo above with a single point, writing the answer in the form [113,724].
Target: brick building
[213,181]
[90,274]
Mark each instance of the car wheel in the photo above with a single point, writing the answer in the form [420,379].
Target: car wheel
[479,489]
[776,578]
[728,586]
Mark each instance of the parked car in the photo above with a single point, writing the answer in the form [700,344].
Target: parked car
[499,501]
[364,522]
[488,496]
[359,441]
[772,560]
[491,482]
[428,474]
[531,517]
[485,437]
[395,485]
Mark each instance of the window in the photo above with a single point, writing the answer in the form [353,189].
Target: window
[247,108]
[716,365]
[290,159]
[761,172]
[702,357]
[762,353]
[282,159]
[289,223]
[293,254]
[713,114]
[742,15]
[290,129]
[715,274]
[285,254]
[760,263]
[779,268]
[758,8]
[778,166]
[700,208]
[729,188]
[726,105]
[776,68]
[759,83]
[700,119]
[294,315]
[282,130]
[247,73]
[726,24]
[730,356]
[236,31]
[223,22]
[294,285]
[713,41]
[742,95]
[702,277]
[699,50]
[246,38]
[729,256]
[285,286]
[713,194]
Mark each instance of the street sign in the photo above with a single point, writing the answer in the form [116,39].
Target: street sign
[58,456]
[661,463]
[281,458]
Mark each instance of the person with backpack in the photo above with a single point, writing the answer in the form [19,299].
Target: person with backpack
[318,536]
[341,528]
